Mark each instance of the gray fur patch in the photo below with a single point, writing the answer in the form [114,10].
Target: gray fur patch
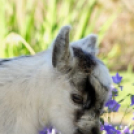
[3,61]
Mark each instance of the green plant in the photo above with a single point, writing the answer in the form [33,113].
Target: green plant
[30,26]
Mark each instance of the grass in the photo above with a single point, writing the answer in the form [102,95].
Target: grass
[35,23]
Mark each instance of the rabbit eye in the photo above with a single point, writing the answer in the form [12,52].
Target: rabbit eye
[77,99]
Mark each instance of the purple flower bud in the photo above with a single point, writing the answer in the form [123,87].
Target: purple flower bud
[114,92]
[132,99]
[121,87]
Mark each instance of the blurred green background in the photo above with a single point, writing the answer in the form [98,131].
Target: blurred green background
[29,26]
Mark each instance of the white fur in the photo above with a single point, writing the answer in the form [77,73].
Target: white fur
[102,73]
[31,97]
[88,44]
[33,94]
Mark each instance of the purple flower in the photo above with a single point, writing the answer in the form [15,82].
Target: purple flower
[118,132]
[132,99]
[110,129]
[44,131]
[49,130]
[113,105]
[133,132]
[117,78]
[126,130]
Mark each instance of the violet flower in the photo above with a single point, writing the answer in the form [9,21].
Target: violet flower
[110,129]
[117,78]
[113,105]
[49,130]
[126,130]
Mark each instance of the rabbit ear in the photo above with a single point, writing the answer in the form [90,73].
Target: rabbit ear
[88,44]
[61,52]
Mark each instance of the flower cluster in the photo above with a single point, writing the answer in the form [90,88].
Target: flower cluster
[112,106]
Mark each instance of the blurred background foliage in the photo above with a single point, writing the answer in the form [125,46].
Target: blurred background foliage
[29,26]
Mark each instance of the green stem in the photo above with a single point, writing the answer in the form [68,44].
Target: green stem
[123,98]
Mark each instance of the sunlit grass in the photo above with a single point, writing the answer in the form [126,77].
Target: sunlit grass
[36,23]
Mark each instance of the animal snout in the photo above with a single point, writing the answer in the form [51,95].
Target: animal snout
[95,130]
